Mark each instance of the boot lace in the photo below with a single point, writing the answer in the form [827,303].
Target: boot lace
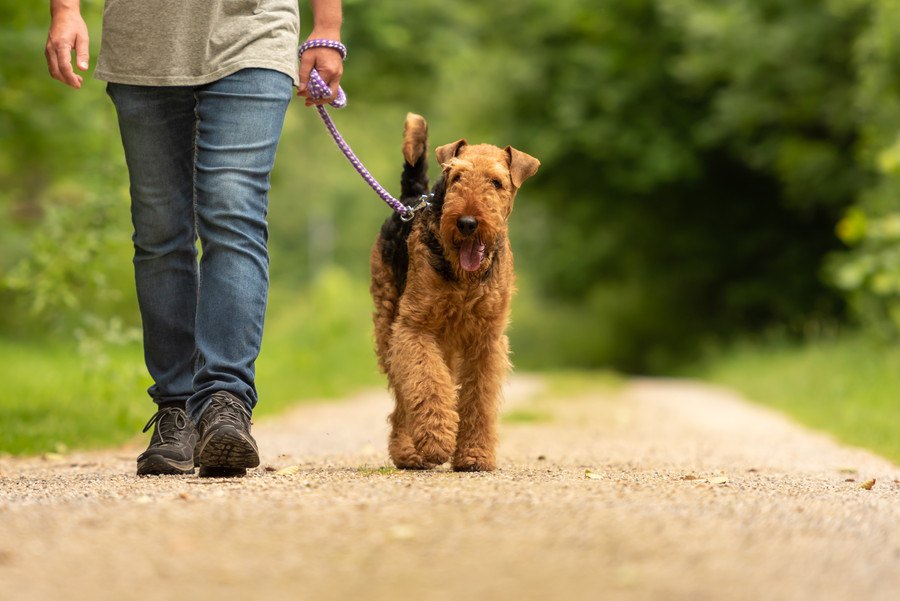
[168,428]
[230,410]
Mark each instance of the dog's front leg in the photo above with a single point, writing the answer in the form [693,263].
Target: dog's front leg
[481,377]
[422,383]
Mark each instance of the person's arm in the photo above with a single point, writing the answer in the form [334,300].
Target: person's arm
[326,25]
[67,32]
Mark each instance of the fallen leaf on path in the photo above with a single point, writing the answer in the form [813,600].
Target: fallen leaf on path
[288,471]
[868,484]
[592,475]
[713,480]
[52,457]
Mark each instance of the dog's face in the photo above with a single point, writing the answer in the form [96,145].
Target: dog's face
[481,184]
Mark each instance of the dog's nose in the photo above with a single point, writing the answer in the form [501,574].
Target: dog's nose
[466,225]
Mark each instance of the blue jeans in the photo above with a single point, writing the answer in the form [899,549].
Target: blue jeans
[199,159]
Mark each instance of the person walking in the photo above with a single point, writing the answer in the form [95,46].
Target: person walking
[200,90]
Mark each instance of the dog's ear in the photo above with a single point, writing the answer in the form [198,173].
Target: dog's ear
[448,151]
[521,166]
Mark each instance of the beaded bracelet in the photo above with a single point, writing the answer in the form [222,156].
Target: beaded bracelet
[333,44]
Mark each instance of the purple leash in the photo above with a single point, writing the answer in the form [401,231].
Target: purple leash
[318,89]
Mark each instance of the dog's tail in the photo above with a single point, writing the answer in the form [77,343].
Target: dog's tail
[414,181]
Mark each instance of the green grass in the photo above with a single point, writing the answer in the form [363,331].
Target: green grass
[527,416]
[384,470]
[560,386]
[849,386]
[54,399]
[317,345]
[575,383]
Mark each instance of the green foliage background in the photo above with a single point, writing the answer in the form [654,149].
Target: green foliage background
[710,171]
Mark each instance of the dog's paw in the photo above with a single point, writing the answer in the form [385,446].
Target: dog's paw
[412,463]
[436,457]
[434,450]
[405,457]
[471,462]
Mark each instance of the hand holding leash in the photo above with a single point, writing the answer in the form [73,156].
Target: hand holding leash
[317,91]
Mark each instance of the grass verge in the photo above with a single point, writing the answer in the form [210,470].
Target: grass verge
[562,385]
[317,345]
[848,386]
[55,399]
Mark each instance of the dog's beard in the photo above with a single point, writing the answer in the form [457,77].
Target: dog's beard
[471,254]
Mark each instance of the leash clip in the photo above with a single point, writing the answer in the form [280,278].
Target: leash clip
[410,212]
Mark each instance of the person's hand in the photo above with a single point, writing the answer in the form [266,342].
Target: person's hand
[68,32]
[327,62]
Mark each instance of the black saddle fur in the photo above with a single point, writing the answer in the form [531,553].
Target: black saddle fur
[395,232]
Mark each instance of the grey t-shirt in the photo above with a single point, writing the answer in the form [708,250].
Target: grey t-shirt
[193,42]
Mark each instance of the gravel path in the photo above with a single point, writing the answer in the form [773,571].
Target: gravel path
[691,494]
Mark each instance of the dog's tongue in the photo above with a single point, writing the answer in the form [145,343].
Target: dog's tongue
[471,253]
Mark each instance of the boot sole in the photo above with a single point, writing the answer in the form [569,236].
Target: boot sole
[158,465]
[227,453]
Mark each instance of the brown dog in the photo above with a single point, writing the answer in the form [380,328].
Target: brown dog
[441,284]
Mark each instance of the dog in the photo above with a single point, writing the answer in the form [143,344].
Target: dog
[441,285]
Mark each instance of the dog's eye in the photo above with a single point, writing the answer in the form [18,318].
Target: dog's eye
[496,183]
[455,179]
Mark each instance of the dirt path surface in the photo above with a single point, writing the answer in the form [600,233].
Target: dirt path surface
[692,494]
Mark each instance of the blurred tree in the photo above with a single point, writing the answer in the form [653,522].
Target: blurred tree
[65,243]
[696,157]
[870,273]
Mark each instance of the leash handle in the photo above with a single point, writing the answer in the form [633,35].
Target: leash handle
[318,89]
[316,86]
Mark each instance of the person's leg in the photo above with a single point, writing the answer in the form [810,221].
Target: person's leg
[157,130]
[239,121]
